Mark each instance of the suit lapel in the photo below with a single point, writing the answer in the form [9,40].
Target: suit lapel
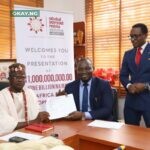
[145,56]
[135,65]
[131,60]
[92,89]
[77,91]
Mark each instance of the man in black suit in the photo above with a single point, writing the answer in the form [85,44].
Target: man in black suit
[97,102]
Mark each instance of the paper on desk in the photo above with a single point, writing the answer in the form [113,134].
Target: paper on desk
[60,106]
[106,124]
[21,134]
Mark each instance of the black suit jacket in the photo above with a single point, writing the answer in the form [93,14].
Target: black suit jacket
[101,99]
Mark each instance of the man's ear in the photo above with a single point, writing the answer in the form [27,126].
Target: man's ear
[146,35]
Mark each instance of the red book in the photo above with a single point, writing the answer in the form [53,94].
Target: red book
[39,127]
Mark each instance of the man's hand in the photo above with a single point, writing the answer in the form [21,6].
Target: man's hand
[132,89]
[136,88]
[42,117]
[76,115]
[59,93]
[139,87]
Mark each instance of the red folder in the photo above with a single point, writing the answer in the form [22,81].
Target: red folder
[39,127]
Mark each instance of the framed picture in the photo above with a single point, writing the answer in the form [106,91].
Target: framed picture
[4,64]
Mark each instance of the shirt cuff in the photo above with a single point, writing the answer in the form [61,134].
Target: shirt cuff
[87,115]
[147,86]
[128,85]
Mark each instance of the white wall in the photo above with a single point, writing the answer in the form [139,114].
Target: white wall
[77,7]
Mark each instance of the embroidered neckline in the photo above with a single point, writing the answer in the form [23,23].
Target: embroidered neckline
[25,103]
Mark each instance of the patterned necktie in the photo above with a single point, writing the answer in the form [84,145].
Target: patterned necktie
[85,98]
[138,56]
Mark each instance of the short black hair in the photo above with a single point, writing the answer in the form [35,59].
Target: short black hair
[82,59]
[142,26]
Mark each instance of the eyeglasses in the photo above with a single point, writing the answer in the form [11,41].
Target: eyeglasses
[134,36]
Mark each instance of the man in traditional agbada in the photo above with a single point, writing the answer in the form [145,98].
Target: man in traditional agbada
[18,104]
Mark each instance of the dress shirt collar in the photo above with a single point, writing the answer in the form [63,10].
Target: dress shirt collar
[143,47]
[89,82]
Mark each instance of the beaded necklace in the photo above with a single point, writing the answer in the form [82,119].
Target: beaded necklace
[25,104]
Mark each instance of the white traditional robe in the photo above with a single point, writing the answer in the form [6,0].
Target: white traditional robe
[10,114]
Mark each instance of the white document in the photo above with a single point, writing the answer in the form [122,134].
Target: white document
[60,106]
[106,124]
[21,134]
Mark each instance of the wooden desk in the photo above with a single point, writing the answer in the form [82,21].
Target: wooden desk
[82,137]
[67,131]
[133,137]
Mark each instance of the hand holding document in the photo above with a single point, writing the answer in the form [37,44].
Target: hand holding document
[60,106]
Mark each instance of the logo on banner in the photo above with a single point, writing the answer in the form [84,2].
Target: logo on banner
[56,26]
[36,24]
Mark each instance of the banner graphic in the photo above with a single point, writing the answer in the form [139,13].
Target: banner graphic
[44,45]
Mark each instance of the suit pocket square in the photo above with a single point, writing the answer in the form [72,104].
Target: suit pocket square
[148,58]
